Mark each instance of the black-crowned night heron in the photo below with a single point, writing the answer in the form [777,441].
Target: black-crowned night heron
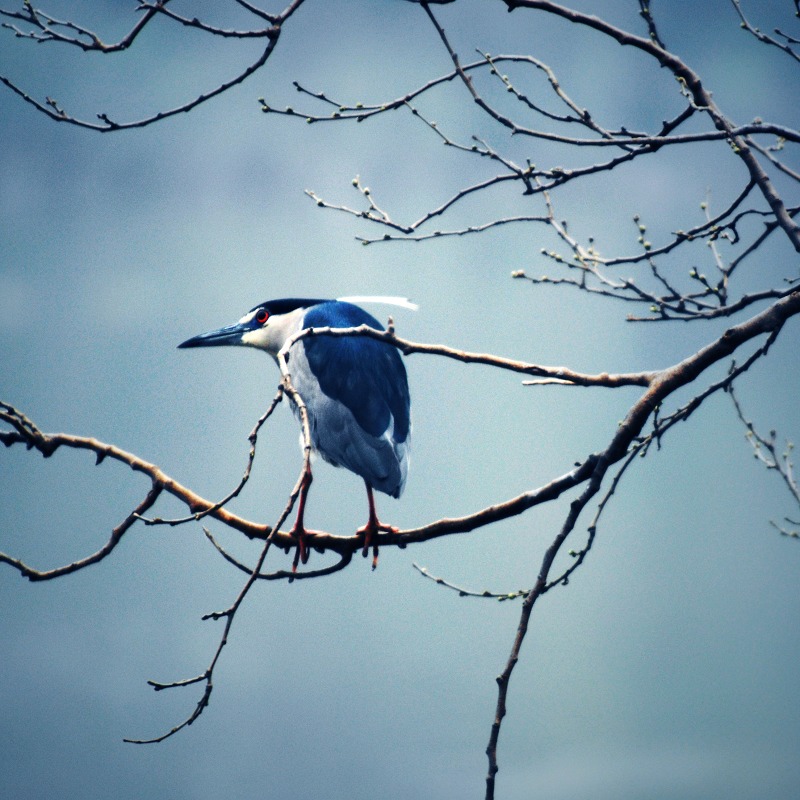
[354,387]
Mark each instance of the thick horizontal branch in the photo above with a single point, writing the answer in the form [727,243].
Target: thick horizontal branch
[659,385]
[563,374]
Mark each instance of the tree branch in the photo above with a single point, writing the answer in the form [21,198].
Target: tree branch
[55,111]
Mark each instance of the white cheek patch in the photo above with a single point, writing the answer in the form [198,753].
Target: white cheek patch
[274,332]
[259,337]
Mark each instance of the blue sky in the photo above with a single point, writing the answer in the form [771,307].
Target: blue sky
[666,669]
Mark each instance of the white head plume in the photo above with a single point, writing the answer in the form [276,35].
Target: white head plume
[402,302]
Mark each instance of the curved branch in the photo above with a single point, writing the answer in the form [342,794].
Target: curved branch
[54,110]
[768,322]
[762,37]
[28,434]
[658,384]
[462,592]
[49,26]
[197,24]
[228,615]
[116,536]
[700,96]
[590,473]
[253,439]
[345,557]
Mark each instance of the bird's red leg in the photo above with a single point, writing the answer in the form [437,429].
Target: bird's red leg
[372,527]
[299,530]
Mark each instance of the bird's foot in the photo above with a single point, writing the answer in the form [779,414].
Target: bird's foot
[370,530]
[302,550]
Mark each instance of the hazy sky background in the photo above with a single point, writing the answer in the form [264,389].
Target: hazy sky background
[666,669]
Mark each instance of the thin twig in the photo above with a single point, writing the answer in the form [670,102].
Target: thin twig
[467,592]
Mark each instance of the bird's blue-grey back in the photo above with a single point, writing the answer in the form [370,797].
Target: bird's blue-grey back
[356,391]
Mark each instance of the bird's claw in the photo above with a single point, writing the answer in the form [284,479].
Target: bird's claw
[302,549]
[368,531]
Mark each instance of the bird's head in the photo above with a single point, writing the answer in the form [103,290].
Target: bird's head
[267,326]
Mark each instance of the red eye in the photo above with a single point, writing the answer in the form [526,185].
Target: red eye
[262,315]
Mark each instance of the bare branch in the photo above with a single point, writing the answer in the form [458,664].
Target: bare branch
[50,30]
[695,89]
[768,322]
[765,449]
[47,444]
[466,592]
[694,292]
[388,237]
[647,14]
[763,37]
[228,615]
[344,559]
[114,539]
[767,152]
[194,22]
[252,438]
[407,347]
[658,385]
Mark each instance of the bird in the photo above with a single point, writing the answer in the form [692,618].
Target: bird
[355,390]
